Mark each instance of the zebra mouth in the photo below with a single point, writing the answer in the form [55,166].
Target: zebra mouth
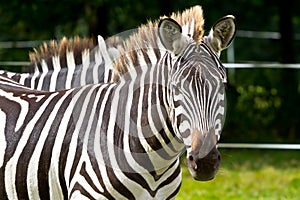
[206,168]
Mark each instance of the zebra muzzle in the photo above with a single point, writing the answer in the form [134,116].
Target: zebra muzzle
[204,158]
[204,169]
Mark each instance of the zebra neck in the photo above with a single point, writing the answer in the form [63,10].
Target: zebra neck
[138,123]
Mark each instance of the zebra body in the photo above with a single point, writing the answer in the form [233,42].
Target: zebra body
[84,143]
[60,160]
[64,159]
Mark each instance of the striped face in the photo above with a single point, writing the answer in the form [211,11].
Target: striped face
[197,92]
[198,95]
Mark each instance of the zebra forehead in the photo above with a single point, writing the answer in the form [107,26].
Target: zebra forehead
[146,37]
[53,48]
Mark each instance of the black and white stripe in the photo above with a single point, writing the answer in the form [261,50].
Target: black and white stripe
[68,145]
[117,140]
[51,74]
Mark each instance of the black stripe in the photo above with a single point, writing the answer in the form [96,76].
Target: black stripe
[27,81]
[91,145]
[21,171]
[49,63]
[116,183]
[87,112]
[61,79]
[174,194]
[46,81]
[66,142]
[76,76]
[45,158]
[86,176]
[173,176]
[78,187]
[16,77]
[89,78]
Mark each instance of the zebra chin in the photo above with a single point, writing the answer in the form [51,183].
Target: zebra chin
[206,168]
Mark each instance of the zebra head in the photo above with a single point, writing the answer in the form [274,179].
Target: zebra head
[197,92]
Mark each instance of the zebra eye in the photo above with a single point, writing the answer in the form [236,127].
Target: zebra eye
[177,90]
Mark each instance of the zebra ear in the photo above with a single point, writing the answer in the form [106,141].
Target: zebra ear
[222,33]
[169,32]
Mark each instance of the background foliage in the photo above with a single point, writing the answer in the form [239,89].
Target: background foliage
[263,104]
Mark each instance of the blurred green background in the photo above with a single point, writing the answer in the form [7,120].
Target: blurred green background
[263,104]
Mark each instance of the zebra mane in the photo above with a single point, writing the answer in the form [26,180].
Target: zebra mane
[193,14]
[146,38]
[48,50]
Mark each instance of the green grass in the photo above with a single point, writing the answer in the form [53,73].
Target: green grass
[248,174]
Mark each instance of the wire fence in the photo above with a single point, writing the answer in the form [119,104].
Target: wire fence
[261,65]
[14,63]
[259,146]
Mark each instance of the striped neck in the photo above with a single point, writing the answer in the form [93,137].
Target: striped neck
[148,136]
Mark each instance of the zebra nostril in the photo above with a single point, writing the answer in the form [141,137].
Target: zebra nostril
[192,163]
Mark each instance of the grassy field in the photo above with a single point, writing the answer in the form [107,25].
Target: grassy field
[249,174]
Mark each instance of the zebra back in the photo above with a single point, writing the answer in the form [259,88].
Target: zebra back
[67,64]
[46,51]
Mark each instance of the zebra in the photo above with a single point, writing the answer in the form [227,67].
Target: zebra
[78,61]
[120,140]
[70,63]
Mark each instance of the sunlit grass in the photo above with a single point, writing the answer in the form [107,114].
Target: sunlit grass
[249,174]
